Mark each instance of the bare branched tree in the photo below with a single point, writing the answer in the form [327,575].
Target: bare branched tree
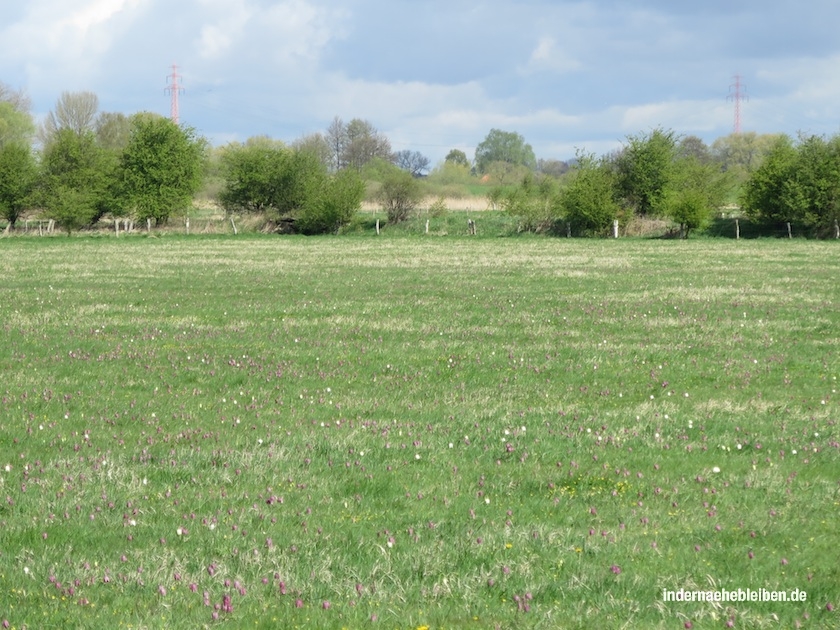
[412,161]
[75,111]
[364,142]
[355,144]
[16,98]
[337,140]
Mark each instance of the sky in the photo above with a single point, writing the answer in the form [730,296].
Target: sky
[435,75]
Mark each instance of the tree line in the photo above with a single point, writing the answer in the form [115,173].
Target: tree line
[91,163]
[772,179]
[82,164]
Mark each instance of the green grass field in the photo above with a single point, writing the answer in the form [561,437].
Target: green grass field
[281,432]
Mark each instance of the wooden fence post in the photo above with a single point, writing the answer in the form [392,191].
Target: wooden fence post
[427,226]
[615,228]
[377,227]
[788,229]
[235,231]
[737,230]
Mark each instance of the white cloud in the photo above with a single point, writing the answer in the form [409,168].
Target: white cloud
[214,41]
[97,12]
[53,27]
[65,45]
[299,30]
[384,100]
[218,36]
[547,56]
[251,41]
[680,115]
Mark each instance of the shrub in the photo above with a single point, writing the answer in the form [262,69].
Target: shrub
[534,201]
[333,204]
[438,208]
[400,195]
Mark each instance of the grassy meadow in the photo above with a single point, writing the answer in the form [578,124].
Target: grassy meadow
[417,432]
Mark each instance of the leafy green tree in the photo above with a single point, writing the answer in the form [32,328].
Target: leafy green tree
[332,204]
[815,197]
[252,173]
[315,143]
[797,184]
[536,201]
[265,176]
[689,208]
[16,126]
[400,194]
[645,170]
[160,168]
[697,189]
[767,194]
[76,179]
[72,208]
[457,157]
[589,201]
[504,146]
[18,176]
[113,131]
[297,182]
[693,147]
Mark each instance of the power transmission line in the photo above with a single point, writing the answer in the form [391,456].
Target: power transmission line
[174,88]
[737,96]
